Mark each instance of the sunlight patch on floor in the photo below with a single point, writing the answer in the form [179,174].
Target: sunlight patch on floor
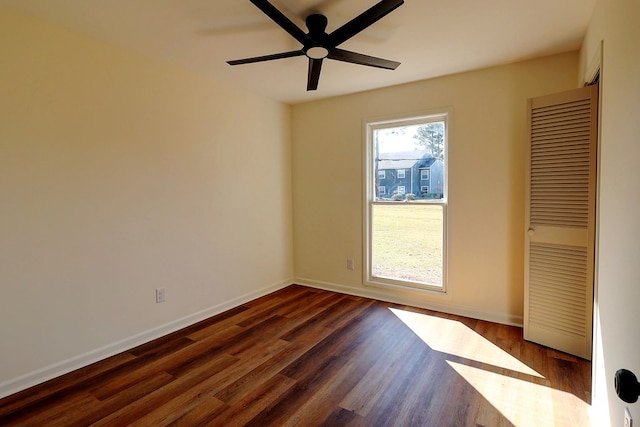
[453,337]
[525,403]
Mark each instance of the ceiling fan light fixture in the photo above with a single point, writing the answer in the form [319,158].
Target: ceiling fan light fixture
[317,52]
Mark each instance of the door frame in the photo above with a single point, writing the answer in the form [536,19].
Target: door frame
[593,75]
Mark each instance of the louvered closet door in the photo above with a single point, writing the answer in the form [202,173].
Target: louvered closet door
[560,218]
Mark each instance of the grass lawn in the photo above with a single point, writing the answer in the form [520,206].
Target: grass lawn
[407,242]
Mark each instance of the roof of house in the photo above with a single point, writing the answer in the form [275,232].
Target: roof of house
[404,159]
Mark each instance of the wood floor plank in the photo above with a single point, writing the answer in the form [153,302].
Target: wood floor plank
[63,413]
[139,408]
[284,306]
[210,328]
[465,413]
[200,416]
[245,384]
[352,368]
[381,377]
[321,365]
[343,418]
[312,304]
[232,321]
[314,316]
[47,394]
[343,313]
[243,366]
[244,410]
[182,358]
[124,398]
[202,352]
[308,357]
[178,408]
[433,383]
[114,384]
[285,293]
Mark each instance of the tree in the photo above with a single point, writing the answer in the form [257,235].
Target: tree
[431,136]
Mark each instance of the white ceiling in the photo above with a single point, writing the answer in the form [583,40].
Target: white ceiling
[429,37]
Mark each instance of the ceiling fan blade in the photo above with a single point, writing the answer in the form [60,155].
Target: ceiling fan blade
[359,58]
[315,66]
[267,57]
[280,19]
[363,20]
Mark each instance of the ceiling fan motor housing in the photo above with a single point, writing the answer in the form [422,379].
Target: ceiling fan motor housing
[317,24]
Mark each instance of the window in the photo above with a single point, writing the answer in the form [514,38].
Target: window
[381,174]
[405,236]
[382,190]
[400,173]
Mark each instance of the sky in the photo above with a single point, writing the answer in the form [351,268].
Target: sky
[398,139]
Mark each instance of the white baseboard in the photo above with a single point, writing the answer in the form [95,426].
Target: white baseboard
[394,297]
[39,376]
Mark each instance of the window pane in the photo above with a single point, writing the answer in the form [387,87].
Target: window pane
[407,242]
[413,156]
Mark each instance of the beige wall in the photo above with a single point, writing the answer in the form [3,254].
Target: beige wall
[118,175]
[617,342]
[486,159]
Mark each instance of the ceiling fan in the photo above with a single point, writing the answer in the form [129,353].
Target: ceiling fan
[318,45]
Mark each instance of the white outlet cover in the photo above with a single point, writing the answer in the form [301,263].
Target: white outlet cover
[160,295]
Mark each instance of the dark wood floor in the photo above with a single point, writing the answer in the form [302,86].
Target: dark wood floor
[306,357]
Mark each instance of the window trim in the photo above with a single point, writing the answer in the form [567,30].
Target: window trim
[369,199]
[401,171]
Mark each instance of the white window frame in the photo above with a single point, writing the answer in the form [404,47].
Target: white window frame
[424,172]
[422,189]
[401,173]
[369,199]
[382,190]
[382,174]
[402,189]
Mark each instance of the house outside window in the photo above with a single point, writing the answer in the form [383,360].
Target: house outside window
[401,189]
[382,174]
[400,173]
[382,190]
[424,174]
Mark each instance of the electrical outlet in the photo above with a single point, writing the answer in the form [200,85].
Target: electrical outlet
[628,421]
[350,265]
[160,295]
